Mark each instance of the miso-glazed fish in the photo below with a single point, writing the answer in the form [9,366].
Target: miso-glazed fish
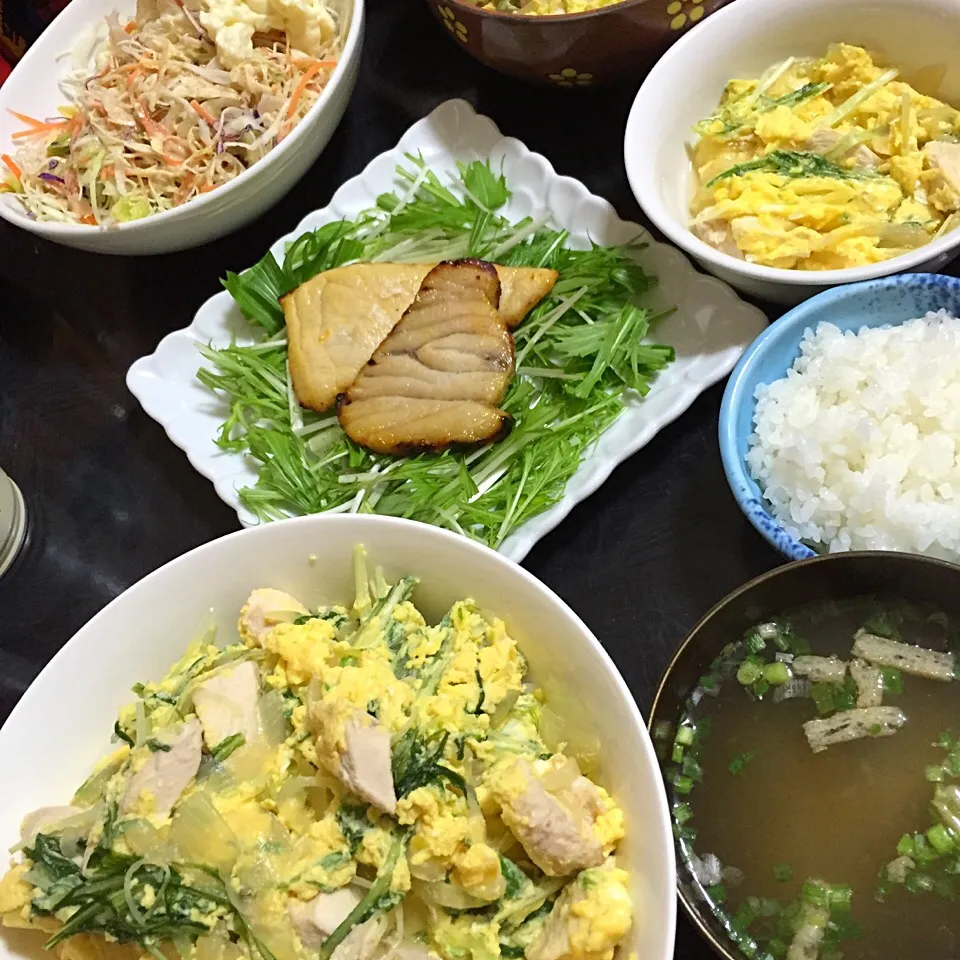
[336,320]
[440,375]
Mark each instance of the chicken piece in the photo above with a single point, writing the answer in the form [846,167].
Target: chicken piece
[945,158]
[316,919]
[589,919]
[558,839]
[353,746]
[824,139]
[166,773]
[227,704]
[718,234]
[336,320]
[264,609]
[438,378]
[39,820]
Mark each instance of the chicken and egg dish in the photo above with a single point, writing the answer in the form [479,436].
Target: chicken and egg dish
[343,782]
[822,164]
[542,8]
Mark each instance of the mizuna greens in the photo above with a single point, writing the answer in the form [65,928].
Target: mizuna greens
[580,354]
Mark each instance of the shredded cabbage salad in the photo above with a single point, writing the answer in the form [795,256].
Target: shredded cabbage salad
[161,119]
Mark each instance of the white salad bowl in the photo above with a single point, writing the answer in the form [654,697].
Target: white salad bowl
[33,89]
[920,37]
[63,723]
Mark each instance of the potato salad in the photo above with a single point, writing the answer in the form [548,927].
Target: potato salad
[822,164]
[346,782]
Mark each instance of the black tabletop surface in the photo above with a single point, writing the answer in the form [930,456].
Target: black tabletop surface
[110,498]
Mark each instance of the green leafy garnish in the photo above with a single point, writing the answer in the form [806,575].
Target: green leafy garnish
[515,878]
[740,116]
[379,898]
[108,898]
[354,823]
[737,765]
[227,745]
[122,734]
[782,872]
[792,164]
[416,762]
[580,355]
[157,746]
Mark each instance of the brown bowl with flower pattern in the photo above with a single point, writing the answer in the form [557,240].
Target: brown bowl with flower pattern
[614,44]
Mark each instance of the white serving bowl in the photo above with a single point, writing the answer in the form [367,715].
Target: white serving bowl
[920,37]
[62,725]
[32,89]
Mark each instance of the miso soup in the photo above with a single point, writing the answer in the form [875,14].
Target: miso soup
[816,794]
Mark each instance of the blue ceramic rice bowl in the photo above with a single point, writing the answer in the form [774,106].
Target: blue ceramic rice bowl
[873,303]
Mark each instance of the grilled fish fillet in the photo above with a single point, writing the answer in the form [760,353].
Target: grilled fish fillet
[440,375]
[336,320]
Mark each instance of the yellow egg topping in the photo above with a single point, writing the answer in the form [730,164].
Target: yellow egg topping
[822,164]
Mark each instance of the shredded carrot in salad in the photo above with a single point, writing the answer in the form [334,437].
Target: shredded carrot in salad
[162,114]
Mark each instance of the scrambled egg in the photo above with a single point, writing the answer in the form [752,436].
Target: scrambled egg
[308,24]
[336,771]
[825,164]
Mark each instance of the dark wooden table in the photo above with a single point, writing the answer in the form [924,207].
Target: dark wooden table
[110,498]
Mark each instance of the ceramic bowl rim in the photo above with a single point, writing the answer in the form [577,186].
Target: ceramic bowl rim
[788,569]
[648,195]
[348,55]
[794,321]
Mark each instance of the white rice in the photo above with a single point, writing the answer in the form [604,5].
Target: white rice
[857,447]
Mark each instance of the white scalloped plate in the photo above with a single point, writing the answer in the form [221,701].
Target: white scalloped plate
[710,328]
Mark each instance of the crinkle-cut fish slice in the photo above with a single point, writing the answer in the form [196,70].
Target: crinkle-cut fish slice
[337,319]
[439,377]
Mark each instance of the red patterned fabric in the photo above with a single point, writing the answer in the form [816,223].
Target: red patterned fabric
[21,22]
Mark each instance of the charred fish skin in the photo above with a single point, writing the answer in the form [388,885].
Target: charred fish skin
[438,378]
[487,278]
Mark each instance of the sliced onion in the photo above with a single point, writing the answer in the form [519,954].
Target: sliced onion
[909,235]
[294,787]
[145,840]
[430,871]
[201,835]
[560,774]
[209,947]
[76,828]
[273,719]
[503,708]
[477,824]
[707,869]
[447,895]
[253,762]
[91,790]
[796,688]
[143,726]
